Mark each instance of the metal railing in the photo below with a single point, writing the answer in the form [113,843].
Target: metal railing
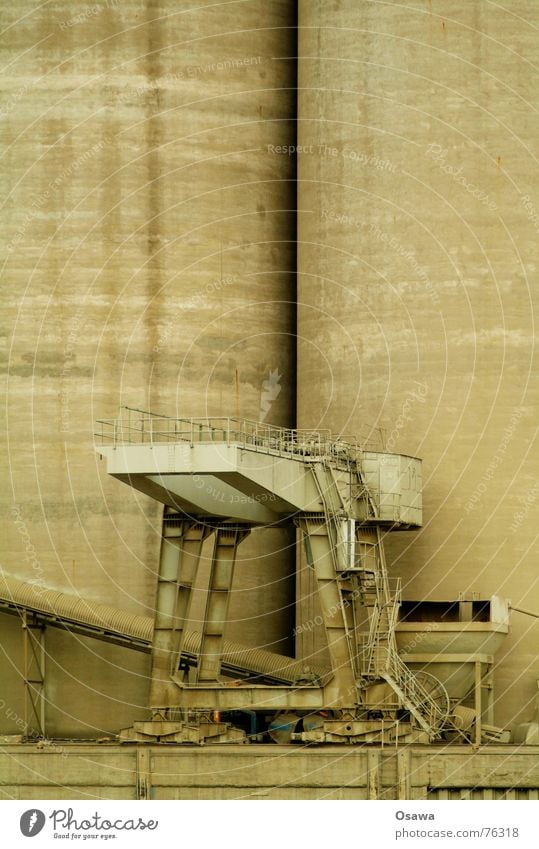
[382,658]
[143,427]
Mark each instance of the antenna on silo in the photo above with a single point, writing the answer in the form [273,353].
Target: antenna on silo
[238,404]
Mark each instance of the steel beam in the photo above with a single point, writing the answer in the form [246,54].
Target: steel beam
[225,547]
[340,644]
[238,696]
[181,547]
[33,676]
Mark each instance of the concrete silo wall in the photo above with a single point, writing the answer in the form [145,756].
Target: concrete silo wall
[417,283]
[148,258]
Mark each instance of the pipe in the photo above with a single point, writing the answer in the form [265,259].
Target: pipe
[524,611]
[70,609]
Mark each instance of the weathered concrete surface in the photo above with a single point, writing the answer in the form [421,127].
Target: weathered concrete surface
[267,772]
[148,258]
[418,253]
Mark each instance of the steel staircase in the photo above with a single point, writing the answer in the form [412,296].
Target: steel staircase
[379,658]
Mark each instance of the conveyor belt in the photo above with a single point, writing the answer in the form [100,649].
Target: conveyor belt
[101,621]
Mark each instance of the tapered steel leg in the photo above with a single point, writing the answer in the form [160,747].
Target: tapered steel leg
[226,543]
[181,548]
[320,553]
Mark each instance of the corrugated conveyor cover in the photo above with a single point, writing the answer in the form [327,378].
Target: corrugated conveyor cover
[71,608]
[68,608]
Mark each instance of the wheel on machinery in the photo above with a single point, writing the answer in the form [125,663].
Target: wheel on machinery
[441,705]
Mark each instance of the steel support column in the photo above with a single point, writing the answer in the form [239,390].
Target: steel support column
[225,547]
[478,702]
[181,548]
[321,555]
[33,676]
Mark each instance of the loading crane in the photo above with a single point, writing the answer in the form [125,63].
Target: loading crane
[221,478]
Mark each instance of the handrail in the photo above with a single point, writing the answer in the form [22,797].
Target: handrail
[140,426]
